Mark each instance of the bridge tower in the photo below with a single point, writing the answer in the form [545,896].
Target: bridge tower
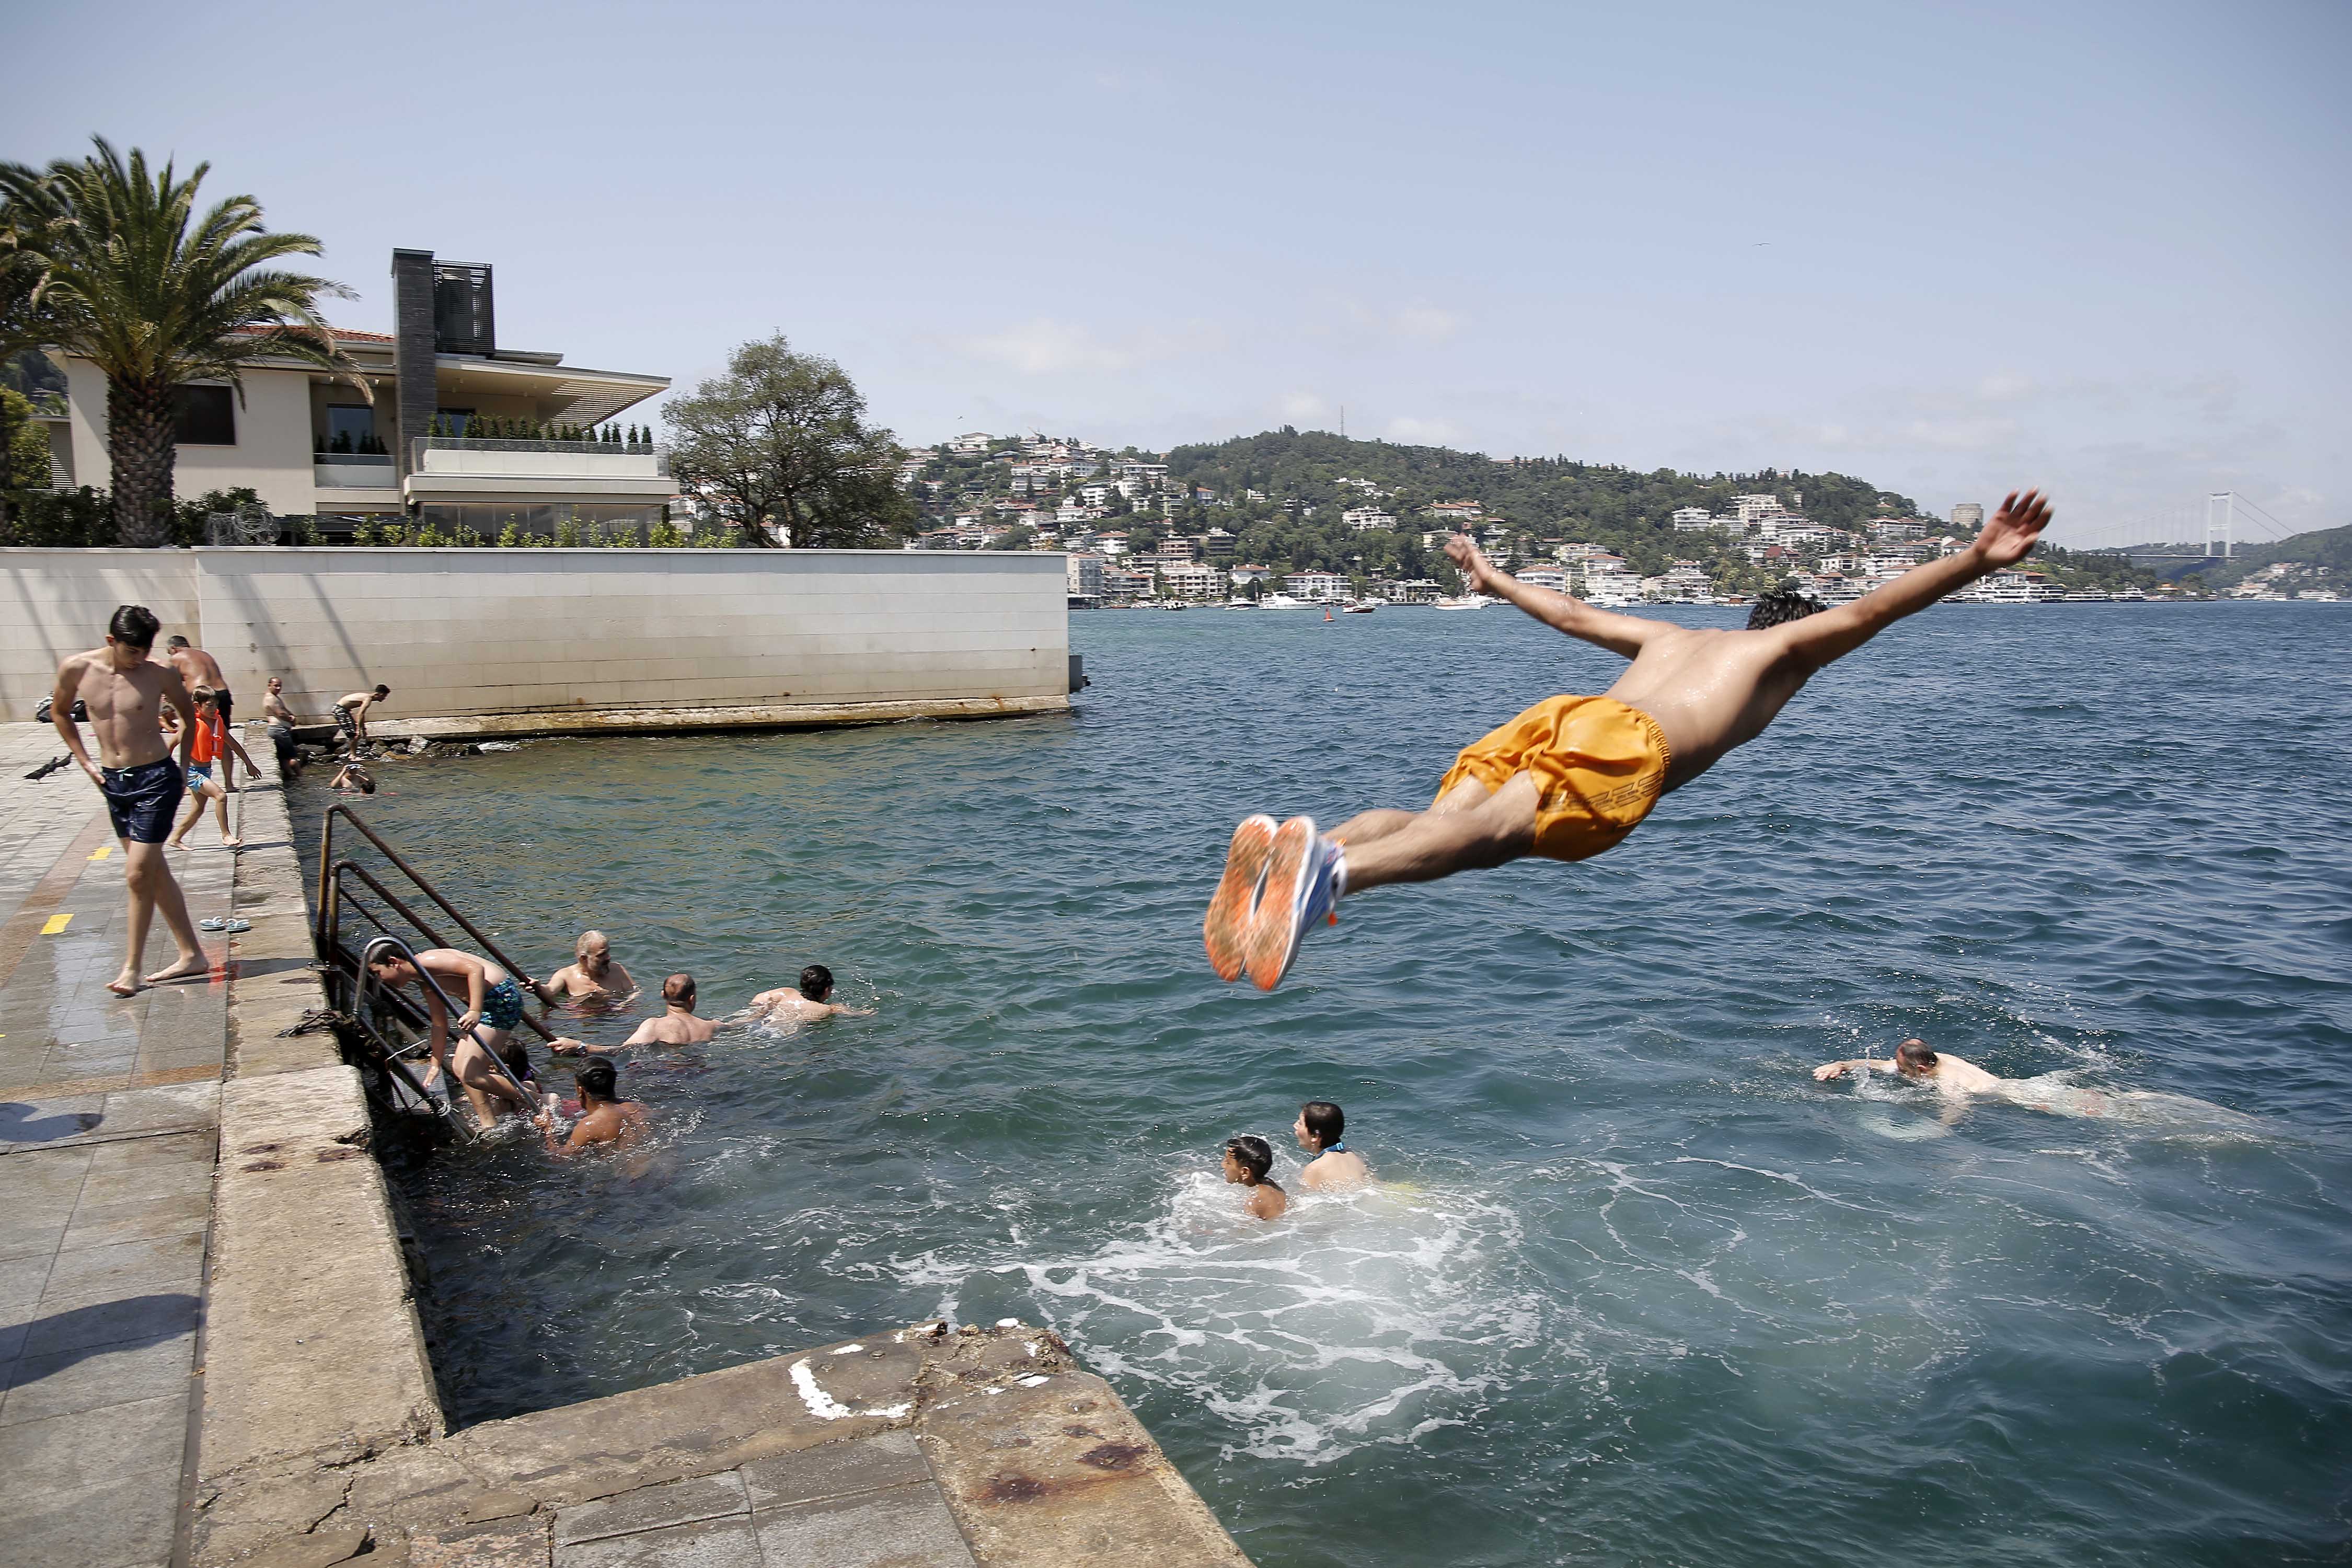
[2220,513]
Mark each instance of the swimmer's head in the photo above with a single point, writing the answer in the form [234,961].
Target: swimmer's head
[1247,1159]
[1915,1059]
[816,983]
[1779,606]
[204,697]
[275,685]
[393,970]
[597,1081]
[383,692]
[1319,1125]
[679,989]
[593,952]
[175,641]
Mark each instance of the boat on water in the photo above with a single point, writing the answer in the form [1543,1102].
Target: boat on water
[1361,607]
[2129,596]
[1283,602]
[1468,602]
[2087,596]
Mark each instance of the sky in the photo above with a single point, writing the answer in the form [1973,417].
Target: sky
[1950,248]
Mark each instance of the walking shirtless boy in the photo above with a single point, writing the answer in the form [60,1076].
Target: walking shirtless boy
[1572,776]
[125,693]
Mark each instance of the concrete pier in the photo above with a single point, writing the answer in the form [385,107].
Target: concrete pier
[209,1354]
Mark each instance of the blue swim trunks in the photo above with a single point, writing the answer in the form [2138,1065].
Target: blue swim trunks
[142,800]
[502,1006]
[199,774]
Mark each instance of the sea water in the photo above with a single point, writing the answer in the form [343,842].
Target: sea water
[1635,1288]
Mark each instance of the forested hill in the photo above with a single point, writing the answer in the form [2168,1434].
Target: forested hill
[1538,493]
[2326,552]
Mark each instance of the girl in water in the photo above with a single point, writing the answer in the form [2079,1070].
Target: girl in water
[493,1008]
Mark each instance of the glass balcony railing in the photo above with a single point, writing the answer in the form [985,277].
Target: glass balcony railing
[455,453]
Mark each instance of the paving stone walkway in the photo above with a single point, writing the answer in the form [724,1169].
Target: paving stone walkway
[108,1117]
[861,1504]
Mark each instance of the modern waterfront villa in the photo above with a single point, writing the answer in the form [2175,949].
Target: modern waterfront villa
[312,444]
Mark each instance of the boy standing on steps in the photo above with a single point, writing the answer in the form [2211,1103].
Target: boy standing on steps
[1573,775]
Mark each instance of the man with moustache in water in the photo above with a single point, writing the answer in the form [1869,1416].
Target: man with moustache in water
[593,975]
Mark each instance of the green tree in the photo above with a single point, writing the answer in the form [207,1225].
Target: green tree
[99,259]
[782,440]
[24,448]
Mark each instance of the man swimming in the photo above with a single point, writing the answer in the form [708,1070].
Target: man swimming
[1332,1167]
[1918,1062]
[593,975]
[604,1116]
[1248,1158]
[1957,1081]
[678,1026]
[126,693]
[1571,776]
[811,1001]
[493,1008]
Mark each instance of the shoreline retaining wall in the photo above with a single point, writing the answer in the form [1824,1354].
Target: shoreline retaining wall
[555,637]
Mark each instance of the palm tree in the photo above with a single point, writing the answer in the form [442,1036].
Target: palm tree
[100,261]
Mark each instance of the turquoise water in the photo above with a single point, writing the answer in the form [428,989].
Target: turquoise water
[1644,1293]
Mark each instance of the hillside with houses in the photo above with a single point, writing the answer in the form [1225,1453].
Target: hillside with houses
[1321,518]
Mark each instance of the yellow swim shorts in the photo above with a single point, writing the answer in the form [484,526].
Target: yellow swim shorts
[1599,764]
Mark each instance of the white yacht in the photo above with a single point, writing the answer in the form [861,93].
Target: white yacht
[1283,602]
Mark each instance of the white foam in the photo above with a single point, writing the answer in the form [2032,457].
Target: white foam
[1366,1318]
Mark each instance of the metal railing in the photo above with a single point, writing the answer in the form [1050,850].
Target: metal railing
[368,996]
[327,935]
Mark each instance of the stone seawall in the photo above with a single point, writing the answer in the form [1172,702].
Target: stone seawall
[549,640]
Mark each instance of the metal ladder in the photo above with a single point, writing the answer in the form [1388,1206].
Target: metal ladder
[353,988]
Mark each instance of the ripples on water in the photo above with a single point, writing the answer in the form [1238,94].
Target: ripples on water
[1645,1293]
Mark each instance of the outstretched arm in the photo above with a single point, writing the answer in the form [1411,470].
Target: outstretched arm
[1618,633]
[1829,1070]
[1819,639]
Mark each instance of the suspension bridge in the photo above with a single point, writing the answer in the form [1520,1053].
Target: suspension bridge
[2209,529]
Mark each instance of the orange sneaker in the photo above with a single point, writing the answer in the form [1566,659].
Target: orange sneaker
[1233,907]
[1302,886]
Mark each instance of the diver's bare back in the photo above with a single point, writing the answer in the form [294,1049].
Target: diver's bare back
[1709,691]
